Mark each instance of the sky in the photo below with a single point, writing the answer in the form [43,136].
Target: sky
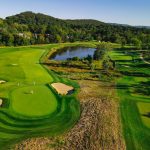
[132,12]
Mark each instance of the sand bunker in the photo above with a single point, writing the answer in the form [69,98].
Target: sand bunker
[2,81]
[1,102]
[62,88]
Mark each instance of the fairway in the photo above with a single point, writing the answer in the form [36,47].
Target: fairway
[31,107]
[34,72]
[133,91]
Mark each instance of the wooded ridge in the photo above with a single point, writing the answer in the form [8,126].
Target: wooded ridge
[35,28]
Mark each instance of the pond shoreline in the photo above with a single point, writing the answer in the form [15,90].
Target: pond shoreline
[65,53]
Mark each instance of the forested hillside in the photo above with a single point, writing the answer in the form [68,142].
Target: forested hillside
[30,28]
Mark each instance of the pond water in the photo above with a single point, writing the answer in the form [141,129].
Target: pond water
[71,52]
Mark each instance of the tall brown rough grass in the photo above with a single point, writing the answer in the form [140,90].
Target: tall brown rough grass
[99,126]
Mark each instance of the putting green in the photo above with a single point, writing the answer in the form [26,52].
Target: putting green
[33,101]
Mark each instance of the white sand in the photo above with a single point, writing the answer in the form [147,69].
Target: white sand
[2,81]
[1,102]
[62,88]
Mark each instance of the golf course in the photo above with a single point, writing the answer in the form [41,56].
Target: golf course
[133,91]
[30,105]
[75,75]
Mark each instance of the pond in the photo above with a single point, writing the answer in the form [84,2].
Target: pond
[70,52]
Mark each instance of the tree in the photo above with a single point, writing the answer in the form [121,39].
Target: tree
[137,43]
[118,39]
[101,50]
[58,39]
[18,40]
[1,22]
[41,39]
[89,58]
[108,64]
[53,30]
[7,39]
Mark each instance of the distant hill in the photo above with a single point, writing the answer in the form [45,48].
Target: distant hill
[38,18]
[117,24]
[36,28]
[126,25]
[147,27]
[85,22]
[33,18]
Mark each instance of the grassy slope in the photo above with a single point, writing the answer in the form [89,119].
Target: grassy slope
[15,127]
[135,131]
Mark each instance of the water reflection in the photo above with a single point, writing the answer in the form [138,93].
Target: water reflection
[71,52]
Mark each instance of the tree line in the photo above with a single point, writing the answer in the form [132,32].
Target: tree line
[29,28]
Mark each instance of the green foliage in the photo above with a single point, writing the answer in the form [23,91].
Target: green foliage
[73,59]
[58,39]
[47,29]
[98,54]
[1,22]
[137,43]
[106,65]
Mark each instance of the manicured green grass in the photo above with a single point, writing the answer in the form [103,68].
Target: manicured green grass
[34,72]
[116,55]
[144,109]
[39,103]
[31,107]
[133,90]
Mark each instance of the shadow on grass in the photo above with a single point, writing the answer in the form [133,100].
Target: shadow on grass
[125,86]
[146,115]
[141,65]
[123,61]
[142,88]
[136,74]
[5,103]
